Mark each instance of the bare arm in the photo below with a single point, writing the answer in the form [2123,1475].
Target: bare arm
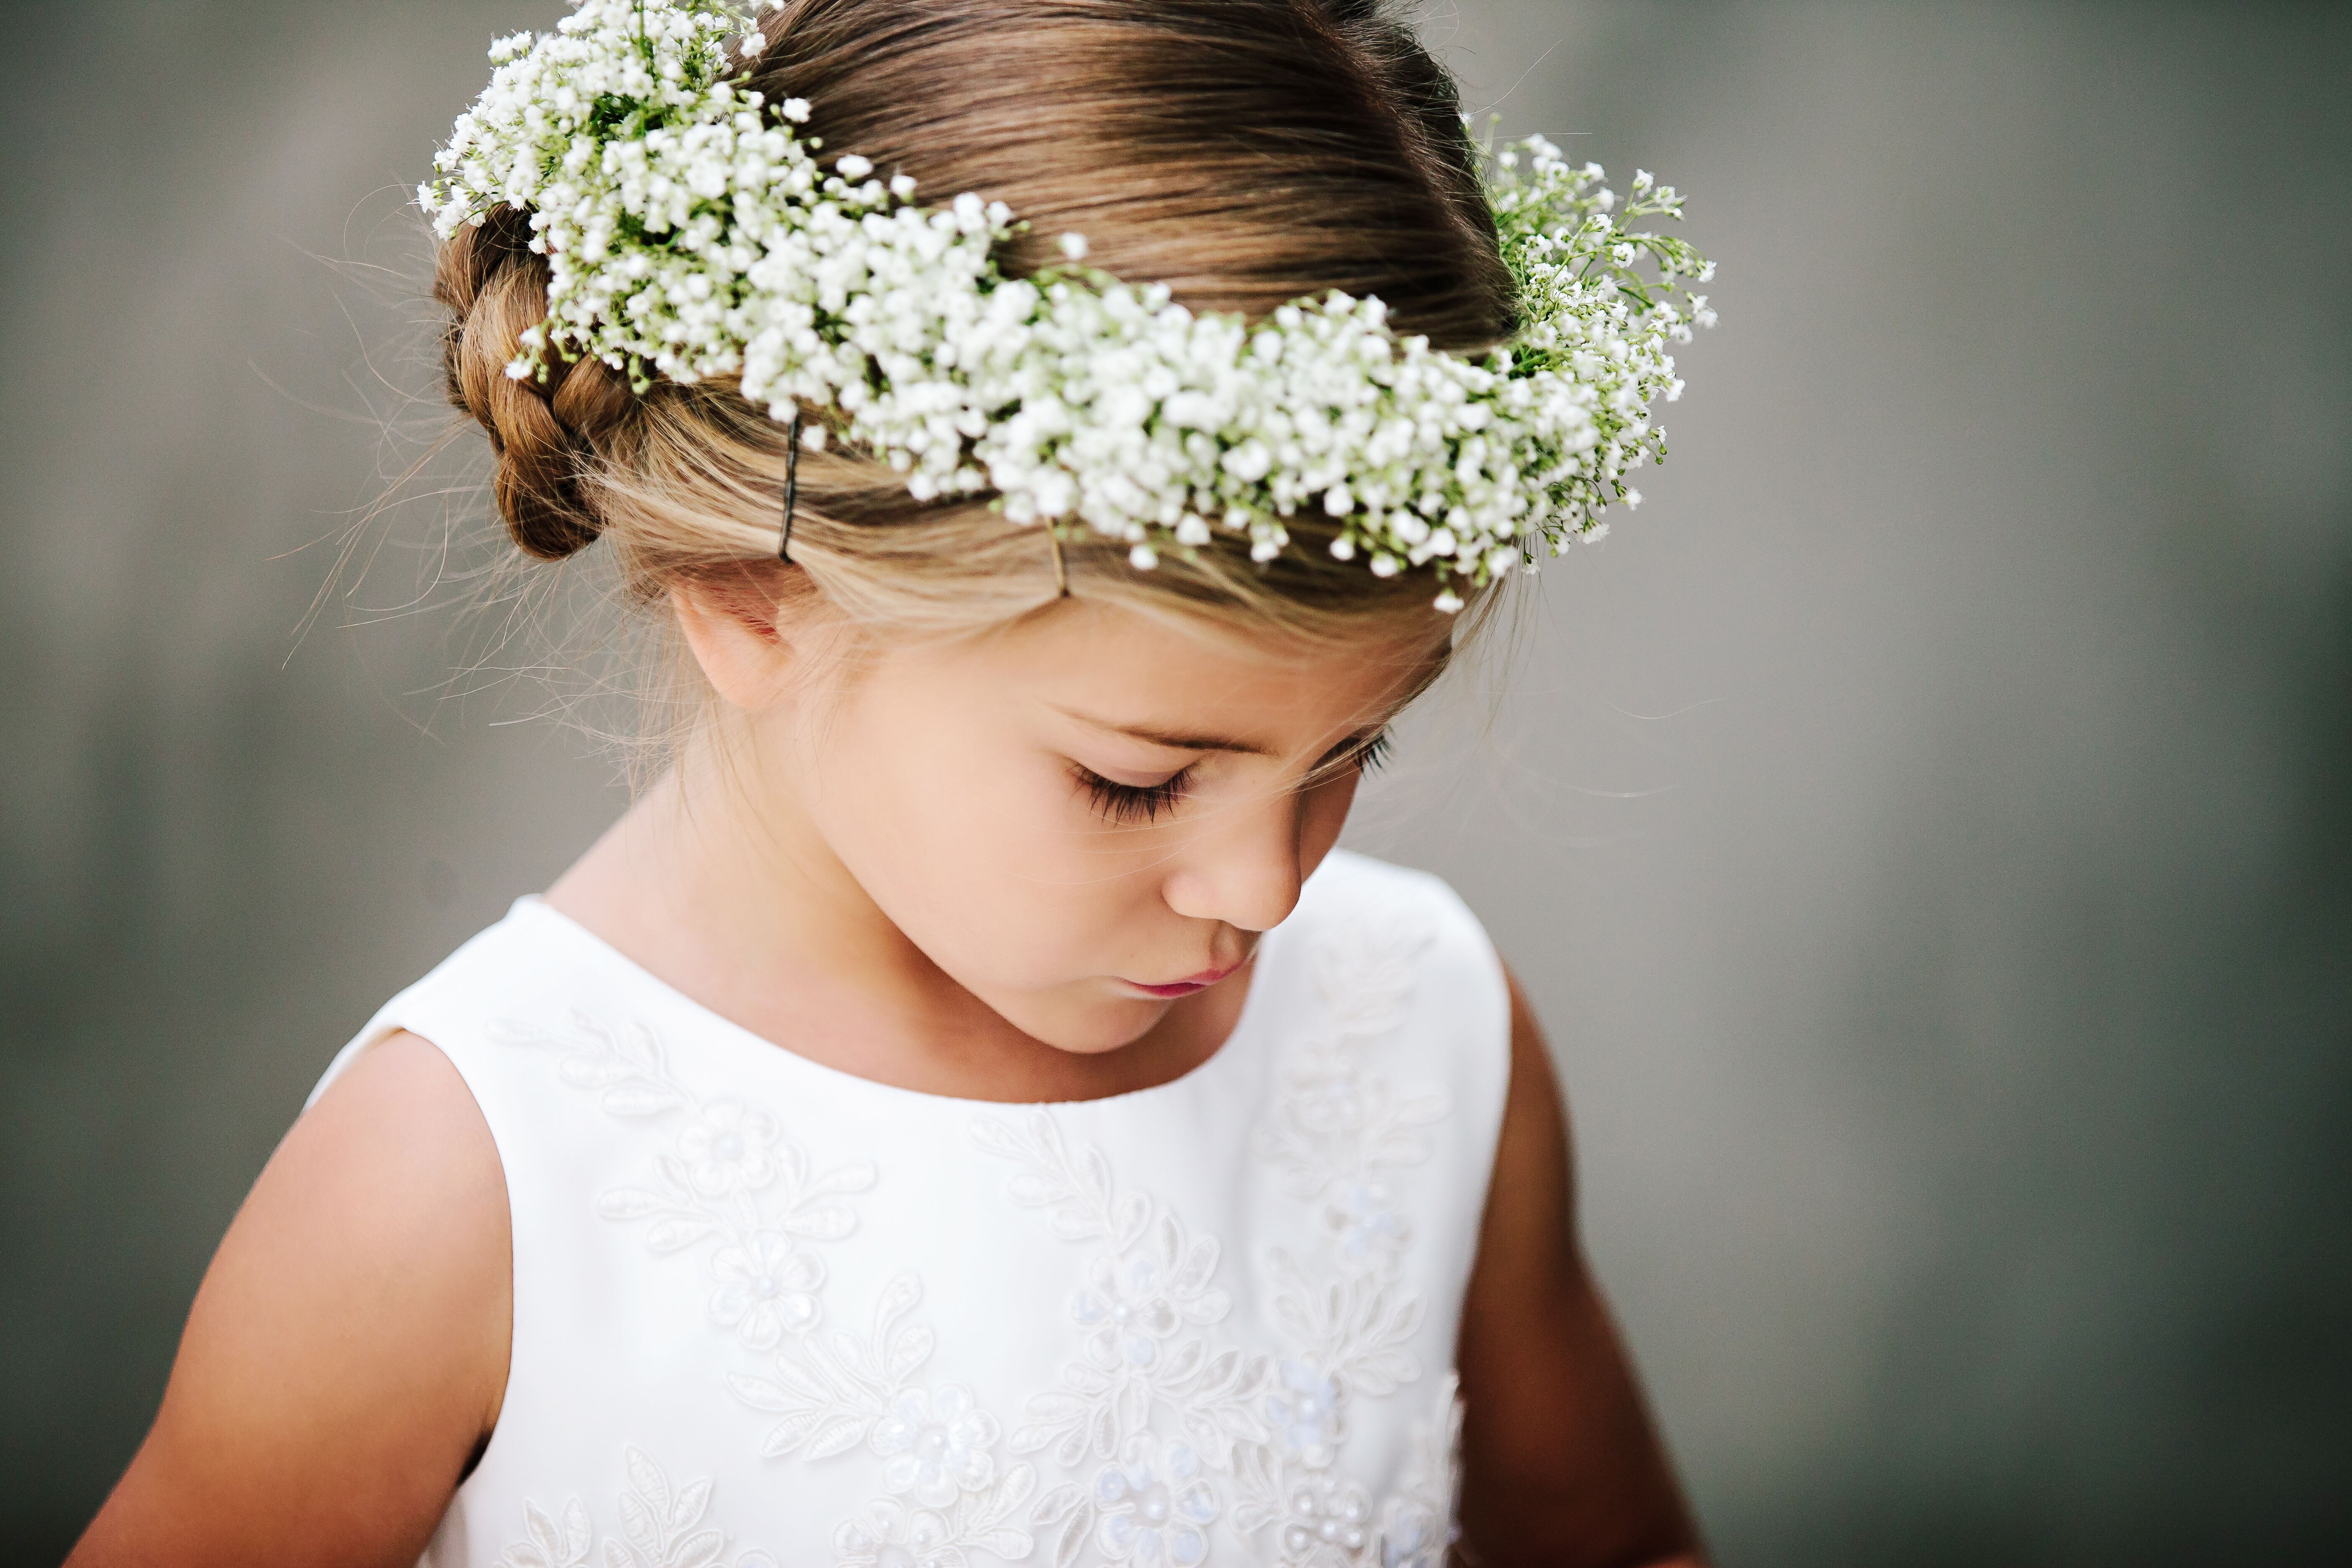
[1561,1464]
[347,1352]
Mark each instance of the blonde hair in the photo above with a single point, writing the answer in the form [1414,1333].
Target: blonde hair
[1245,153]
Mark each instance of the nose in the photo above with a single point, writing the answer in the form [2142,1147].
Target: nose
[1244,867]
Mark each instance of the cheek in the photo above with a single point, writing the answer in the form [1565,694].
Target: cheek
[978,857]
[1321,816]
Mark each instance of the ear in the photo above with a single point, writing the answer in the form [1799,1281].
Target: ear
[731,628]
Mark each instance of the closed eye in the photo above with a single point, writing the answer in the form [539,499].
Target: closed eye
[1362,754]
[1130,804]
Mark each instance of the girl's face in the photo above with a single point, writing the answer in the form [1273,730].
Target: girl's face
[1086,816]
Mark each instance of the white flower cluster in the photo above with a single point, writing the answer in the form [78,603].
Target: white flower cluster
[691,232]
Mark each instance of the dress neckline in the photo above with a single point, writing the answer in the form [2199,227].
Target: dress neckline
[1249,1021]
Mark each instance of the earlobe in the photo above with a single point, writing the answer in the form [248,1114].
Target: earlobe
[734,637]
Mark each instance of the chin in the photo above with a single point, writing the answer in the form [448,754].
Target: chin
[1091,1029]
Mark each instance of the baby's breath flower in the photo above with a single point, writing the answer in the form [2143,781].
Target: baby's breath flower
[691,232]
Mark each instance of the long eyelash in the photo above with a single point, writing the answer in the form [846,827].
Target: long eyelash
[1363,757]
[1129,803]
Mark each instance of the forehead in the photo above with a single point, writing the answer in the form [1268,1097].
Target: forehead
[1134,667]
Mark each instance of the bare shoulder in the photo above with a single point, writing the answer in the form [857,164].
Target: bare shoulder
[347,1352]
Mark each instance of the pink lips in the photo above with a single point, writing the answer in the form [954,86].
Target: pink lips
[1200,981]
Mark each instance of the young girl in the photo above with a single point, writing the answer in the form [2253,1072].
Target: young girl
[967,1111]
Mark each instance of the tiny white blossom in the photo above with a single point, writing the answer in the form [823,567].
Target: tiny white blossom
[1074,246]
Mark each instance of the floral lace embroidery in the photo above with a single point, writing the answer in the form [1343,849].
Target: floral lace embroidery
[1304,1412]
[661,1527]
[1156,1506]
[1336,1126]
[1352,1330]
[936,1445]
[732,1176]
[1417,1525]
[937,1448]
[1148,1285]
[1146,1295]
[1327,1521]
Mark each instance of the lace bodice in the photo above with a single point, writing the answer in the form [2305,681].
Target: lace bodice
[770,1315]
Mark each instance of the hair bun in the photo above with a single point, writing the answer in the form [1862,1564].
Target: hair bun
[546,436]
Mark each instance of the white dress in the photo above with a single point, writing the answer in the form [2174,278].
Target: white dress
[769,1315]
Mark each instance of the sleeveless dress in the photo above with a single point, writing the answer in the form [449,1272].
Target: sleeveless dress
[772,1315]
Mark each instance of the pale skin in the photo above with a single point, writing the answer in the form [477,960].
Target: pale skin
[919,868]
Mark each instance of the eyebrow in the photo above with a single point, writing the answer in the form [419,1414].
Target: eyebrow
[1172,739]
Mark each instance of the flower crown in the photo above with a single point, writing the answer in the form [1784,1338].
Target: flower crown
[690,231]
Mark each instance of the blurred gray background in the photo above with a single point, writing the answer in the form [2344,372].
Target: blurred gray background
[1925,826]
